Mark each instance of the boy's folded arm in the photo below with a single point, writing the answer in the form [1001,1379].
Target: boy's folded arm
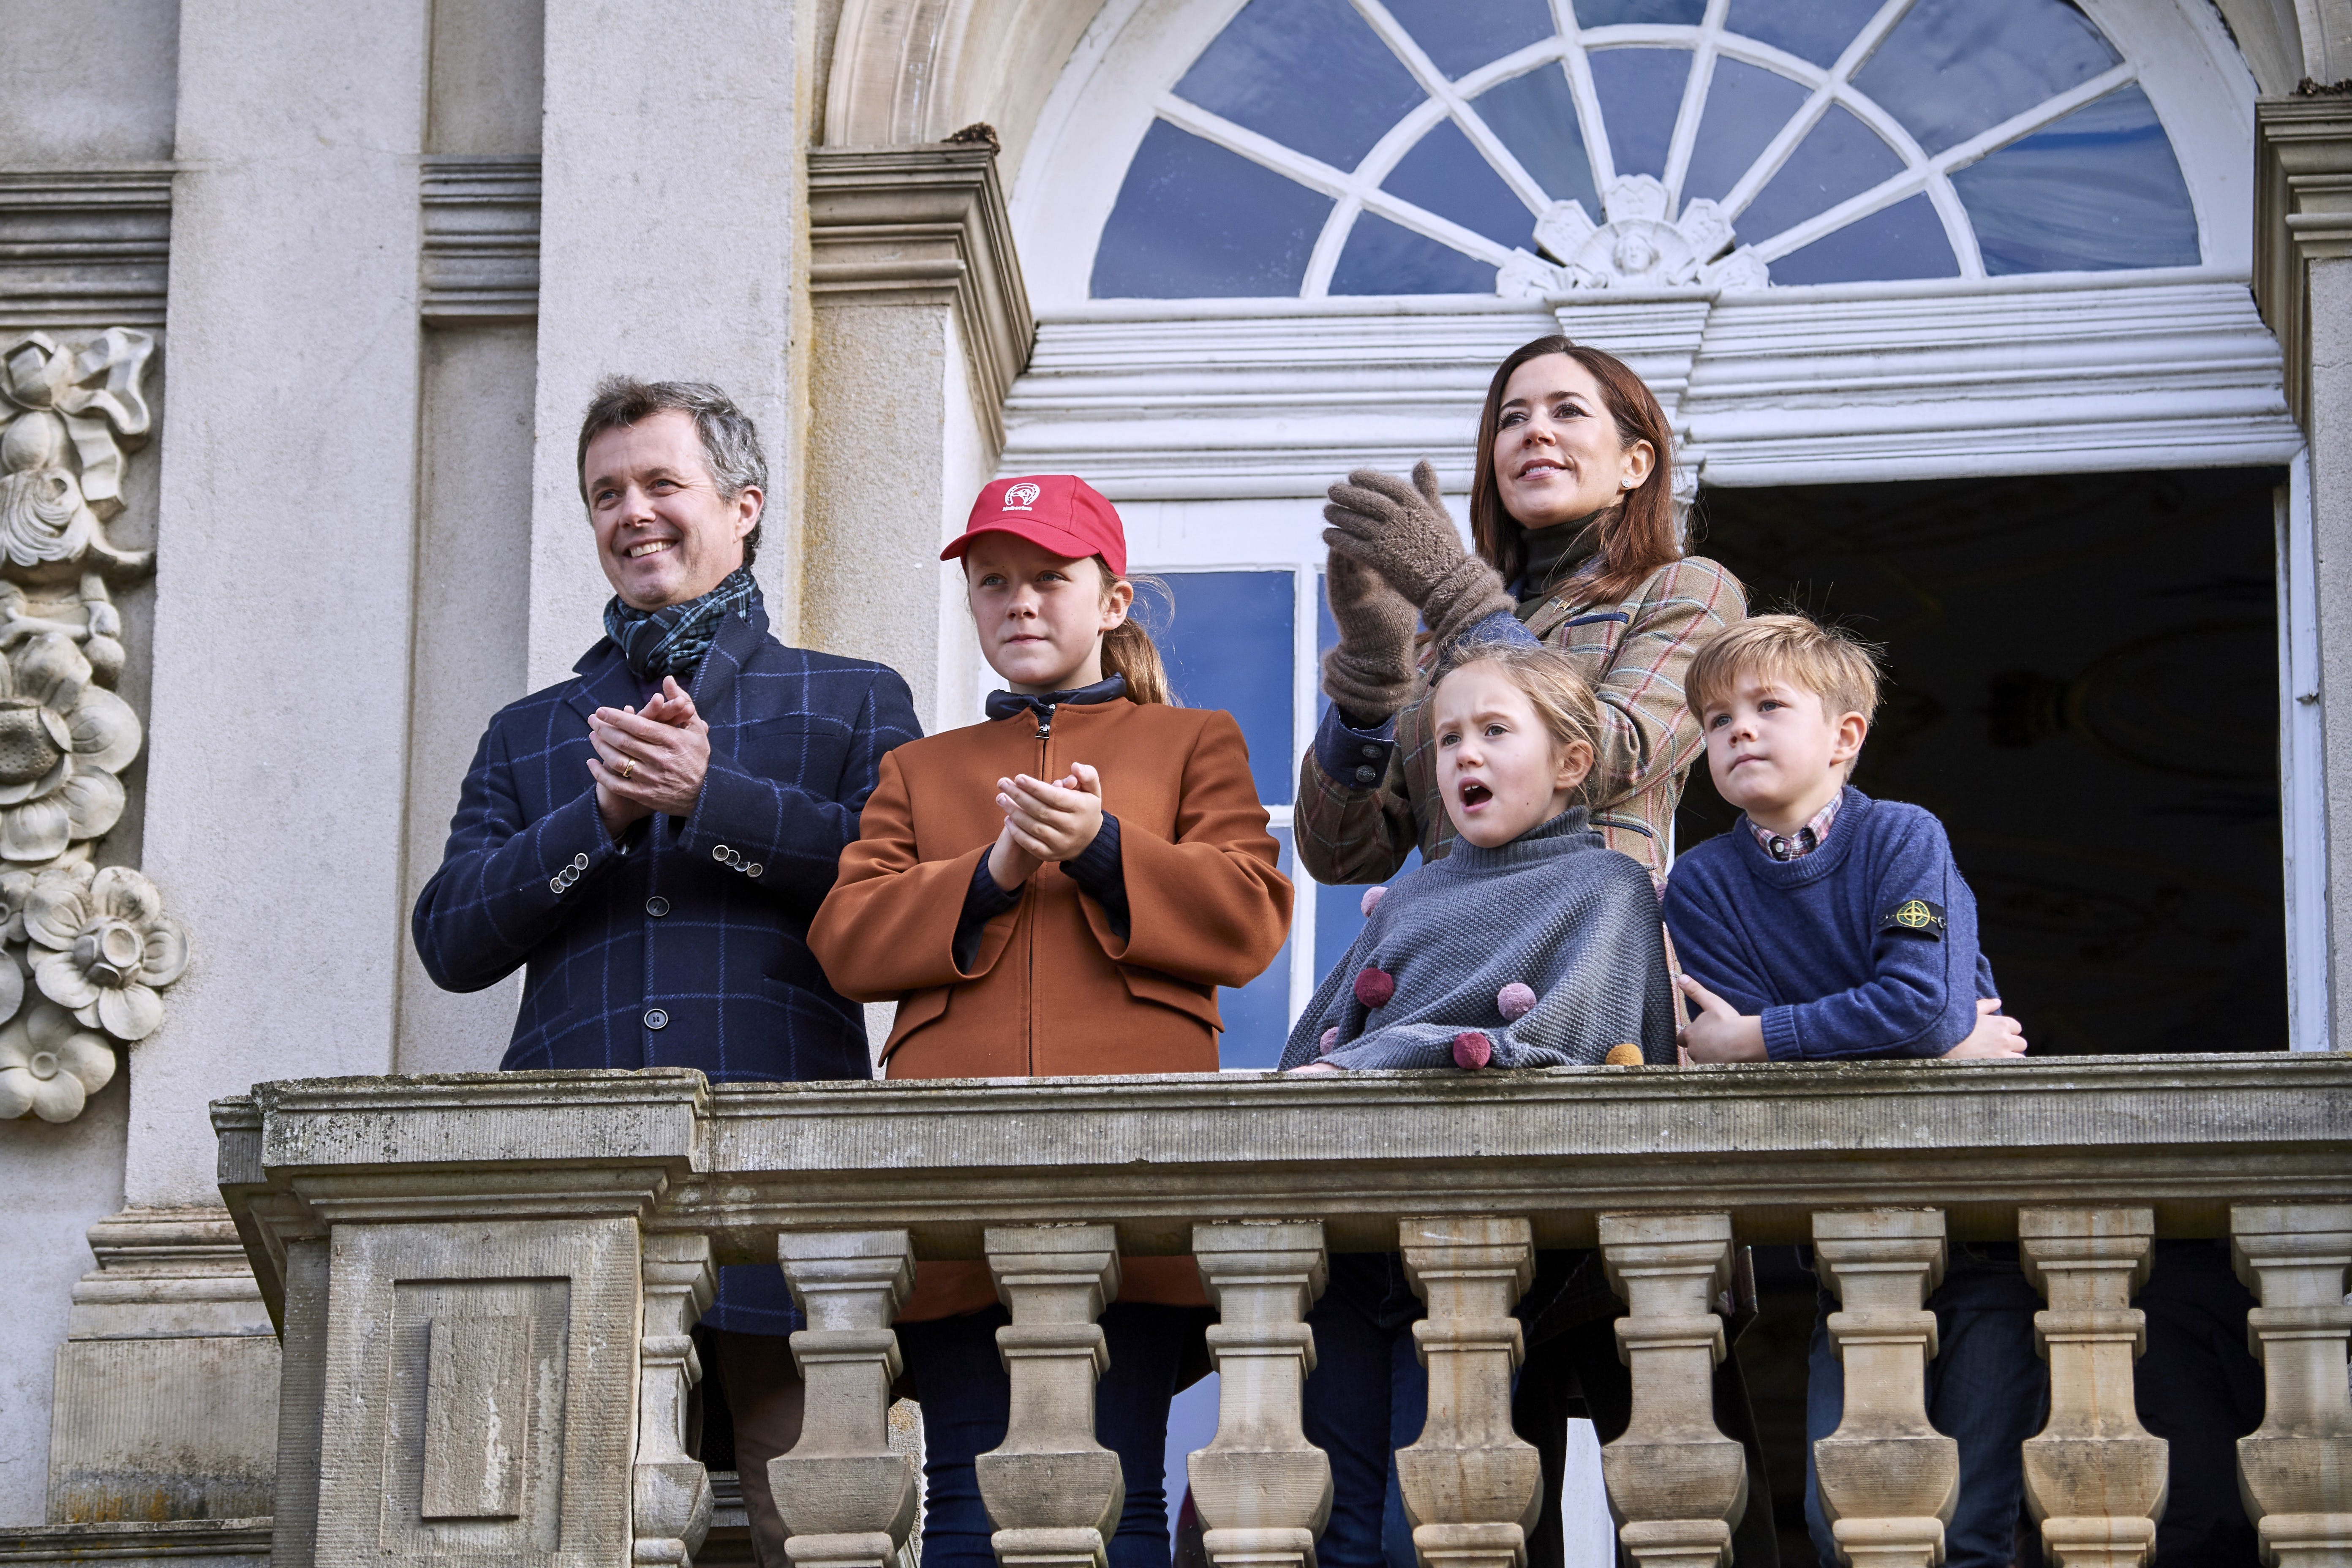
[1710,950]
[1210,906]
[888,927]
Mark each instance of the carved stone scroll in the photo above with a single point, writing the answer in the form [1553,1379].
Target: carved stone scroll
[1888,1478]
[1263,1490]
[1676,1483]
[669,1489]
[847,1498]
[1472,1488]
[2296,1470]
[2094,1477]
[1053,1492]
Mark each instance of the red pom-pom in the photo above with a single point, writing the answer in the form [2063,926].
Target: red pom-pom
[1374,986]
[1473,1049]
[1330,1037]
[1372,901]
[1514,1002]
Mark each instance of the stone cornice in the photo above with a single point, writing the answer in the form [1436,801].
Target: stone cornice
[2302,213]
[479,262]
[82,247]
[924,224]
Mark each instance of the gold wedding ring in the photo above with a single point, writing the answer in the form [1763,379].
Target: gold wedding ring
[628,767]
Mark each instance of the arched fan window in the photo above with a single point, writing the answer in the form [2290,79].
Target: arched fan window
[1321,147]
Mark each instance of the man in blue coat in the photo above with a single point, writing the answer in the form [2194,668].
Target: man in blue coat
[653,836]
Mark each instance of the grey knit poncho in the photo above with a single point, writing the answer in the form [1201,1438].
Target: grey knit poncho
[1554,910]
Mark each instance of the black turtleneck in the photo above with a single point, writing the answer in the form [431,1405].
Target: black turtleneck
[1554,555]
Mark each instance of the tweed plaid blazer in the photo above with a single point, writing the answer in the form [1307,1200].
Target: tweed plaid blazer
[1635,654]
[685,943]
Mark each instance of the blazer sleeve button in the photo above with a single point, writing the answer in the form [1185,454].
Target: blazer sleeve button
[555,884]
[720,852]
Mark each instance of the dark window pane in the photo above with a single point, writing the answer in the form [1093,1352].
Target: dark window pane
[1257,1017]
[1953,67]
[2099,189]
[1338,916]
[1641,91]
[1446,174]
[1383,259]
[1840,157]
[1535,115]
[1308,73]
[1461,37]
[1906,240]
[1815,31]
[1606,13]
[1195,221]
[1228,646]
[1746,107]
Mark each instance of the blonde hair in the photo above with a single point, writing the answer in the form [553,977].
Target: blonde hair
[1553,685]
[1828,661]
[1128,648]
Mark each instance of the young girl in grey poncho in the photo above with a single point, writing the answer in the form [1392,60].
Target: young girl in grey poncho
[1531,944]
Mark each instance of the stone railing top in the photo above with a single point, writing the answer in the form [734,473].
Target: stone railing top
[2187,1135]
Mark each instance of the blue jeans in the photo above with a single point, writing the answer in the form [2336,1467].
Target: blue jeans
[1367,1397]
[967,1403]
[1987,1390]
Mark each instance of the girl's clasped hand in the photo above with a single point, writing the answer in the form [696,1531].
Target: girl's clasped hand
[1044,822]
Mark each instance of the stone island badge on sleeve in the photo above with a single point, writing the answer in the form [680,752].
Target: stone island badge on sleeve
[1917,916]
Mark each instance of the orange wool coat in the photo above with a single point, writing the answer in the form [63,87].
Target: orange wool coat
[1054,989]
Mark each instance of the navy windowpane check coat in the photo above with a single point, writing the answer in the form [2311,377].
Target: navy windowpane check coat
[684,943]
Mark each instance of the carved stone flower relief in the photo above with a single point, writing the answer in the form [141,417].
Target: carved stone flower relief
[94,942]
[1640,246]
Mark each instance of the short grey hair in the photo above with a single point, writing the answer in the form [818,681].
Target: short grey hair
[730,442]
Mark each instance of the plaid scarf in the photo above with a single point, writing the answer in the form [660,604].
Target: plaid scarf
[673,639]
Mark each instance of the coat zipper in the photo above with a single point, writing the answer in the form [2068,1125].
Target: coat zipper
[1043,738]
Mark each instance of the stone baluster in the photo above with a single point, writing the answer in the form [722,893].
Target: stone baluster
[1472,1488]
[2296,1470]
[1888,1478]
[1053,1492]
[1262,1489]
[846,1496]
[2094,1477]
[1676,1483]
[669,1490]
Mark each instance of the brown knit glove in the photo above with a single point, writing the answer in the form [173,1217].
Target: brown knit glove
[1404,532]
[1371,674]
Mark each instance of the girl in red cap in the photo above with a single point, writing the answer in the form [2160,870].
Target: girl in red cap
[1059,889]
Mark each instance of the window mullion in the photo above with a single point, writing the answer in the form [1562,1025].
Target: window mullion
[1693,109]
[1433,82]
[1588,103]
[1830,90]
[2019,126]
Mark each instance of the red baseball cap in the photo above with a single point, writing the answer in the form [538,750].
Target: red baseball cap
[1060,512]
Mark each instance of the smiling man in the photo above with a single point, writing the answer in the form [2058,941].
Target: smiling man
[652,837]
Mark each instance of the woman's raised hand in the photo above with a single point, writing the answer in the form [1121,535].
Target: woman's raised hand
[1404,532]
[1369,675]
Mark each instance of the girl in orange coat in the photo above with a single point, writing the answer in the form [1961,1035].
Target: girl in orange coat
[1057,890]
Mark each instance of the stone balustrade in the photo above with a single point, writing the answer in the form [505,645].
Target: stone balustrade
[484,1284]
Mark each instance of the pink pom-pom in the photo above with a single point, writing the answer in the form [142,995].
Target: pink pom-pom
[1372,901]
[1473,1049]
[1514,1002]
[1374,986]
[1330,1037]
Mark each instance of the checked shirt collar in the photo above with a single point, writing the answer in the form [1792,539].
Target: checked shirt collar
[1805,841]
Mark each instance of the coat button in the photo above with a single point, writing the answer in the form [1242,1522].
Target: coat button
[657,907]
[720,852]
[1371,750]
[656,1019]
[555,884]
[753,869]
[1367,775]
[580,862]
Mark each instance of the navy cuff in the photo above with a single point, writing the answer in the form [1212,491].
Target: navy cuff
[983,900]
[1101,874]
[1502,626]
[1353,758]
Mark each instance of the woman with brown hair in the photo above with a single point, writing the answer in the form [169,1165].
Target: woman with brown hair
[1572,521]
[1572,512]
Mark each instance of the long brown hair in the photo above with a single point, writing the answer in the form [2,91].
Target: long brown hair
[1637,535]
[1128,648]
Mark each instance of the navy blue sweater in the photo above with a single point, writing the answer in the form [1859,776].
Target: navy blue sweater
[1867,947]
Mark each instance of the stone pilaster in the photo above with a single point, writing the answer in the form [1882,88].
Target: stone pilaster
[1472,1488]
[1263,1490]
[1678,1483]
[1053,1492]
[921,324]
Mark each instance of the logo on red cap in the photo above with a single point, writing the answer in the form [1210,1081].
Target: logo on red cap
[1059,512]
